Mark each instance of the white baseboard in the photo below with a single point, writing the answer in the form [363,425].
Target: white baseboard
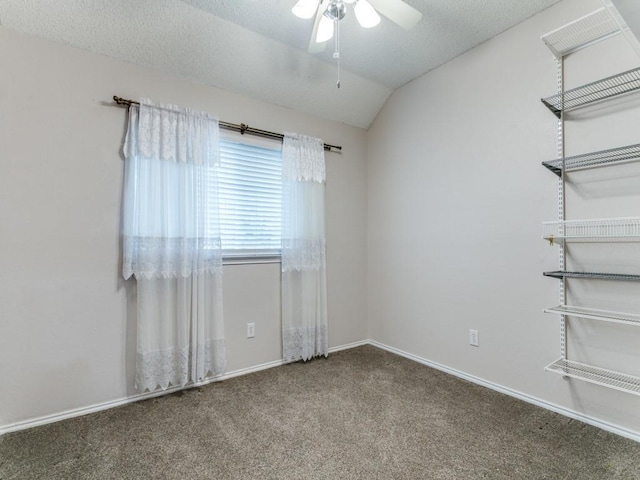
[78,412]
[609,427]
[347,346]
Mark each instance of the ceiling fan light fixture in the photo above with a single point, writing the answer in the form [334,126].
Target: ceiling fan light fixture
[366,14]
[305,8]
[325,29]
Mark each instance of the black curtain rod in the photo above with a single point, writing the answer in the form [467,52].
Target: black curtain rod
[242,127]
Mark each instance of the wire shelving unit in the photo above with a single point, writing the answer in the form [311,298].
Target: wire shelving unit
[588,30]
[595,314]
[597,375]
[597,229]
[562,274]
[612,156]
[610,87]
[581,33]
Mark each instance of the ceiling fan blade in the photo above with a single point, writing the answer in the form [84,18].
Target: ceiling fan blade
[397,11]
[315,47]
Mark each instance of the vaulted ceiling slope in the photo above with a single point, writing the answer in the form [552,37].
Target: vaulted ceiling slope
[259,48]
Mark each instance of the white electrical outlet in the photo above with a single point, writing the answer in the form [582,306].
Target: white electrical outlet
[473,338]
[251,330]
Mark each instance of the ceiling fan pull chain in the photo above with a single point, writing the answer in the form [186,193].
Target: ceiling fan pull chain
[336,53]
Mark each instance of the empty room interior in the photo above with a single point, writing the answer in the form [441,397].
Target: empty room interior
[320,239]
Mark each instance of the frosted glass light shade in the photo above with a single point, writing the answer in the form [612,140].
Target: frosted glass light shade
[325,30]
[366,14]
[305,8]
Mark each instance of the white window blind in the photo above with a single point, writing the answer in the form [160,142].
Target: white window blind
[250,189]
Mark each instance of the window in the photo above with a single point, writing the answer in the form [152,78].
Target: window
[250,188]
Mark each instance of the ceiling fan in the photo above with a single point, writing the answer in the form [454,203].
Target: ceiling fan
[329,12]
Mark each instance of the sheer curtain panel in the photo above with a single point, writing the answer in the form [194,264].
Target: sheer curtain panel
[304,290]
[171,244]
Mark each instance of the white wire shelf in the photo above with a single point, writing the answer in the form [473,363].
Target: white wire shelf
[610,87]
[599,376]
[598,229]
[581,33]
[602,158]
[594,314]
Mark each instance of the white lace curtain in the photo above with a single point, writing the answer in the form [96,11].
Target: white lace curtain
[304,290]
[171,244]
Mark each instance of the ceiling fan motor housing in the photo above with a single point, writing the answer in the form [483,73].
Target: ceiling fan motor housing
[336,10]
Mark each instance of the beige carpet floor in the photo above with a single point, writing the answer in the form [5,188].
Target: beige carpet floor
[360,414]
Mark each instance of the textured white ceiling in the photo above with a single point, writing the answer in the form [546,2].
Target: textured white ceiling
[258,47]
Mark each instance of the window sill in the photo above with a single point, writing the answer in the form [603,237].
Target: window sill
[250,259]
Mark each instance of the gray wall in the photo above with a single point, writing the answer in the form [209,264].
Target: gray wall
[456,198]
[65,314]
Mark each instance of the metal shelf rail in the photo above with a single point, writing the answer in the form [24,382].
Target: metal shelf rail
[610,87]
[597,229]
[593,276]
[599,376]
[602,158]
[581,33]
[595,314]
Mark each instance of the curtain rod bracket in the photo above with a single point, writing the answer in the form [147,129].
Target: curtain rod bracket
[243,128]
[121,101]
